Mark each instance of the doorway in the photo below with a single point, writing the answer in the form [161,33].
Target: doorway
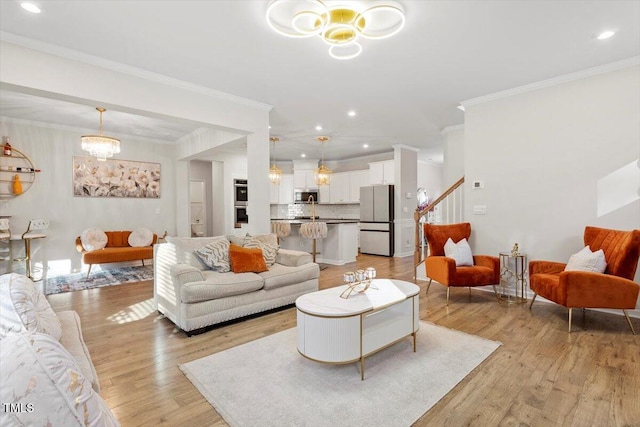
[197,208]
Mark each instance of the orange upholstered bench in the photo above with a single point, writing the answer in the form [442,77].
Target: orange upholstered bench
[116,250]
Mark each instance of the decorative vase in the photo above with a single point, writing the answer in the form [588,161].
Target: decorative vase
[17,185]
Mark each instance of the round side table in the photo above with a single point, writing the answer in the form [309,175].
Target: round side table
[513,278]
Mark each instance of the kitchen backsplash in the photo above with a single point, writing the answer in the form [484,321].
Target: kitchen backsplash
[291,211]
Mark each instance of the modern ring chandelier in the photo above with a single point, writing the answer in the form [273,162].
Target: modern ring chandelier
[339,25]
[100,146]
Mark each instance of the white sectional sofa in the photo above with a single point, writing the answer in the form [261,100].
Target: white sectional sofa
[46,374]
[194,297]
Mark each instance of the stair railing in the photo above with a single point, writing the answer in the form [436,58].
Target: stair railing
[451,201]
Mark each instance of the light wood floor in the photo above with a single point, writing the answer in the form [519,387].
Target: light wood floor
[541,376]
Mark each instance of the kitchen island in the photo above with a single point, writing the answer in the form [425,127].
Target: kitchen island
[338,248]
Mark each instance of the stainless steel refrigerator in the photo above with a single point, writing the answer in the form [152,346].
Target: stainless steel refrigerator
[376,220]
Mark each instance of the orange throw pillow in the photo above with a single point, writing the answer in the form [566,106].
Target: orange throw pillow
[246,260]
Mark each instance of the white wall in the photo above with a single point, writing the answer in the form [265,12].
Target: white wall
[405,179]
[454,143]
[51,196]
[430,177]
[202,171]
[541,154]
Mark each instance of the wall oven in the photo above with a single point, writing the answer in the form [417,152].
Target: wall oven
[240,201]
[240,192]
[240,216]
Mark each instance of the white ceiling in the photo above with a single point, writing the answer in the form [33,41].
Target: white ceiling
[405,89]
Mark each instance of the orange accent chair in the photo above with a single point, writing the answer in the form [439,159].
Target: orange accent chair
[614,288]
[485,271]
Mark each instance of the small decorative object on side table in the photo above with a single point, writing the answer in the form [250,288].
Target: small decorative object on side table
[513,276]
[514,250]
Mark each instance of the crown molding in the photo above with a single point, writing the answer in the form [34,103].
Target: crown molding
[450,129]
[96,61]
[590,72]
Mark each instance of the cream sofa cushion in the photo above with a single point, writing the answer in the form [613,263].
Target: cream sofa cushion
[38,373]
[281,275]
[23,307]
[220,285]
[293,258]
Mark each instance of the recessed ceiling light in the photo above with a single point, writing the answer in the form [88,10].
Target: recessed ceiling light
[303,155]
[269,126]
[30,7]
[318,127]
[605,35]
[460,107]
[365,145]
[351,113]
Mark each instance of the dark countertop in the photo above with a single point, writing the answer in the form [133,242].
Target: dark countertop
[328,221]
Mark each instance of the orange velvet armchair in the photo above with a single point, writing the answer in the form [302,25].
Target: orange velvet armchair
[485,271]
[614,288]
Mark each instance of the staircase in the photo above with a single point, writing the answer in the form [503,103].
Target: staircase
[446,209]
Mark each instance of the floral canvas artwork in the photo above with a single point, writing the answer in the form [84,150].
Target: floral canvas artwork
[115,178]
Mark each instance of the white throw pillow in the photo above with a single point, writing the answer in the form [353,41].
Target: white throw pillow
[23,307]
[140,237]
[37,373]
[216,255]
[585,260]
[264,242]
[460,251]
[185,249]
[93,239]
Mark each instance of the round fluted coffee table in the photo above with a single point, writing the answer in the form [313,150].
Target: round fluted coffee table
[336,330]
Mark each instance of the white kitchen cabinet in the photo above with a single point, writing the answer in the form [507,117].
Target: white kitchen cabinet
[304,178]
[340,191]
[324,193]
[274,193]
[357,179]
[381,172]
[282,194]
[286,190]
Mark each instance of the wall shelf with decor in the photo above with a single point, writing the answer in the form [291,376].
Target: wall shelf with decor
[16,164]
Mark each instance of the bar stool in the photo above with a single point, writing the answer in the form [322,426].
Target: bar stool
[5,240]
[34,231]
[280,229]
[314,230]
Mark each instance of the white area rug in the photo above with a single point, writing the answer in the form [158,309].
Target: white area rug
[268,383]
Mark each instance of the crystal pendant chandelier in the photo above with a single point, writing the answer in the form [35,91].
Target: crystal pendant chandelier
[323,174]
[275,173]
[100,146]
